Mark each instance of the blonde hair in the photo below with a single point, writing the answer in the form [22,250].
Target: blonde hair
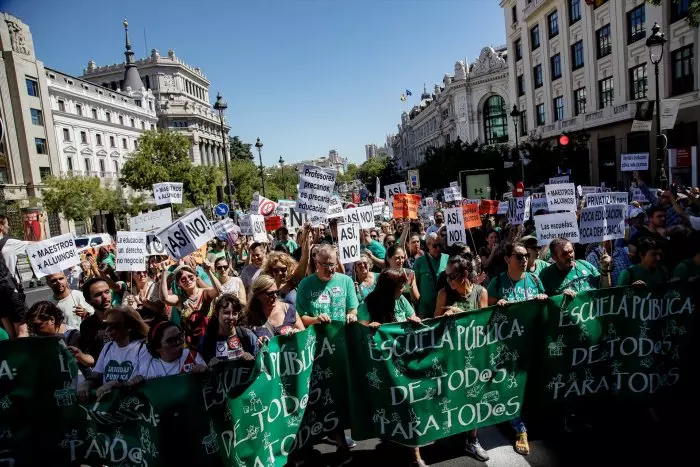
[279,257]
[132,320]
[253,314]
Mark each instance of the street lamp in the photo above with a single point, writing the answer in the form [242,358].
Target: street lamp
[221,105]
[655,43]
[515,115]
[284,185]
[259,145]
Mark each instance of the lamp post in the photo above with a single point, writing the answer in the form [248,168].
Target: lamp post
[259,145]
[655,43]
[284,185]
[515,115]
[220,105]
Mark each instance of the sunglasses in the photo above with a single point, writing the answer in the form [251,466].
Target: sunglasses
[373,235]
[330,266]
[272,293]
[278,270]
[187,278]
[141,273]
[361,264]
[519,256]
[222,267]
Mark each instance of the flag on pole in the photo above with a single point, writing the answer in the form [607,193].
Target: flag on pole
[408,93]
[403,97]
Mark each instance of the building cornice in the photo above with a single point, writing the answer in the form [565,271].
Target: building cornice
[111,105]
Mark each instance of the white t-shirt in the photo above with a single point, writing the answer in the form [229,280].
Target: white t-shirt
[9,253]
[121,363]
[249,274]
[67,306]
[232,286]
[433,228]
[157,368]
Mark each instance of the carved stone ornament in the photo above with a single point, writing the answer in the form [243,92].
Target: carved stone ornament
[168,83]
[18,39]
[460,71]
[489,62]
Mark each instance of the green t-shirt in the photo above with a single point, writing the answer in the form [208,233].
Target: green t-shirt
[687,269]
[334,298]
[503,287]
[402,310]
[638,273]
[291,245]
[377,249]
[4,335]
[427,282]
[583,276]
[539,266]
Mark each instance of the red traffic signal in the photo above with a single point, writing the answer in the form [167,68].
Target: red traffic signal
[519,190]
[563,140]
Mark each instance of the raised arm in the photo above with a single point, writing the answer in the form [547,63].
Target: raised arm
[168,298]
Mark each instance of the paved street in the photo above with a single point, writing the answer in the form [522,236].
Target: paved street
[36,294]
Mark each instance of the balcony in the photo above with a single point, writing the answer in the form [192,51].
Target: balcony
[532,7]
[605,116]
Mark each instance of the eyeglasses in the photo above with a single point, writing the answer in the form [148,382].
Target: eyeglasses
[519,256]
[175,340]
[329,266]
[272,293]
[361,264]
[222,267]
[141,273]
[278,270]
[189,278]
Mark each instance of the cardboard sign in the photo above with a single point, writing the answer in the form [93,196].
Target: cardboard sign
[131,251]
[454,184]
[470,213]
[154,247]
[516,211]
[315,191]
[452,193]
[335,208]
[186,234]
[361,215]
[538,202]
[349,242]
[257,223]
[559,179]
[273,223]
[561,197]
[153,221]
[394,189]
[454,220]
[488,206]
[634,161]
[406,206]
[558,225]
[601,199]
[600,223]
[168,192]
[377,209]
[426,213]
[53,255]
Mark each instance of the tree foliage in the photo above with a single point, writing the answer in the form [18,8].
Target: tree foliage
[74,197]
[693,17]
[281,182]
[240,150]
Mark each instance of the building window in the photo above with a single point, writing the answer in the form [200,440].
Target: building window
[605,92]
[577,55]
[603,40]
[79,109]
[98,138]
[514,14]
[535,37]
[635,24]
[638,80]
[558,103]
[61,106]
[537,75]
[495,120]
[94,114]
[136,144]
[108,116]
[69,164]
[111,142]
[116,167]
[66,135]
[518,46]
[153,127]
[143,125]
[124,146]
[121,120]
[579,101]
[137,102]
[32,87]
[83,137]
[682,77]
[87,166]
[150,105]
[540,114]
[523,123]
[40,144]
[44,172]
[521,85]
[679,9]
[37,117]
[102,168]
[574,11]
[553,24]
[556,66]
[133,123]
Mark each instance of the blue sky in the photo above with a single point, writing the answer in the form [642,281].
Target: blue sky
[305,76]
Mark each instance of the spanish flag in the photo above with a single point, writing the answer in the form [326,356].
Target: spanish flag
[403,97]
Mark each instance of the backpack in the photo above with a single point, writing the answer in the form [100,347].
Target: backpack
[8,284]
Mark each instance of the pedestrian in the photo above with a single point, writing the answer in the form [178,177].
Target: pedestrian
[226,338]
[427,268]
[257,252]
[365,279]
[71,302]
[650,269]
[229,284]
[569,276]
[266,315]
[13,309]
[168,356]
[395,259]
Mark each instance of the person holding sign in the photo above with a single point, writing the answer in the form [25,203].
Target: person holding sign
[225,337]
[71,302]
[266,315]
[570,276]
[427,268]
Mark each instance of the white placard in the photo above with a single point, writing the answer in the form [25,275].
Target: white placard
[255,203]
[168,192]
[244,222]
[502,208]
[637,195]
[223,227]
[362,215]
[515,210]
[452,194]
[154,247]
[551,226]
[377,209]
[349,242]
[53,255]
[526,211]
[185,235]
[257,223]
[454,184]
[601,223]
[601,199]
[634,161]
[394,189]
[153,221]
[131,251]
[315,191]
[454,219]
[335,208]
[283,206]
[265,206]
[669,113]
[559,179]
[587,190]
[429,201]
[538,202]
[386,213]
[561,197]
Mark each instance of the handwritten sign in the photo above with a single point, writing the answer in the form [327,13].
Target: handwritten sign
[561,197]
[257,223]
[53,255]
[315,190]
[601,223]
[452,193]
[349,242]
[131,251]
[406,206]
[488,206]
[455,226]
[558,225]
[471,215]
[335,208]
[516,211]
[153,221]
[377,208]
[187,234]
[394,189]
[634,161]
[168,192]
[538,202]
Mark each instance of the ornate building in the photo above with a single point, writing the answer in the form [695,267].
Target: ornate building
[472,104]
[181,94]
[332,161]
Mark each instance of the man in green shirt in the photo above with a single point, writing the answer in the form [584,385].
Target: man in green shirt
[689,269]
[217,250]
[649,270]
[427,268]
[568,275]
[289,244]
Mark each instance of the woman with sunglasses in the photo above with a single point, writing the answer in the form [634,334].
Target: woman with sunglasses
[226,338]
[145,298]
[267,316]
[286,273]
[365,279]
[229,284]
[121,357]
[168,356]
[395,259]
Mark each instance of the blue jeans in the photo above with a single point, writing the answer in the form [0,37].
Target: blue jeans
[518,425]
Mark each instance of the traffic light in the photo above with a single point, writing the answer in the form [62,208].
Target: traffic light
[563,141]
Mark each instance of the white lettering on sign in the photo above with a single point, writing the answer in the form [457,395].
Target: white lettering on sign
[561,197]
[53,255]
[600,199]
[394,189]
[257,223]
[452,193]
[516,210]
[454,220]
[154,247]
[349,242]
[168,192]
[634,161]
[600,223]
[131,251]
[559,179]
[315,190]
[185,235]
[362,215]
[558,225]
[153,221]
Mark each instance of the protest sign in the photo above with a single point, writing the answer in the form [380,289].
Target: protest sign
[265,206]
[601,199]
[558,225]
[455,226]
[452,193]
[538,202]
[526,211]
[471,215]
[315,190]
[426,213]
[361,215]
[429,201]
[283,206]
[257,226]
[503,208]
[131,251]
[634,161]
[223,228]
[394,189]
[488,206]
[186,234]
[377,209]
[272,223]
[638,195]
[153,221]
[154,247]
[561,197]
[406,206]
[515,210]
[601,223]
[587,190]
[349,242]
[454,184]
[335,208]
[476,201]
[168,192]
[246,224]
[559,179]
[53,255]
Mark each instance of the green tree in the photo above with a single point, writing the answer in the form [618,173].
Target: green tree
[245,177]
[240,150]
[693,9]
[76,198]
[200,184]
[281,182]
[371,169]
[350,173]
[162,156]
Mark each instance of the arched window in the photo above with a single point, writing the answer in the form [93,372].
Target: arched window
[495,120]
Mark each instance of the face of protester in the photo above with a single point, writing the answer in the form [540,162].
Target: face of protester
[362,268]
[268,298]
[666,198]
[652,258]
[373,235]
[257,256]
[43,328]
[518,260]
[398,259]
[502,223]
[325,266]
[171,344]
[492,239]
[100,296]
[278,271]
[439,218]
[221,268]
[658,219]
[187,280]
[57,282]
[457,280]
[228,318]
[4,226]
[141,277]
[284,235]
[85,266]
[434,248]
[117,330]
[415,244]
[564,257]
[637,222]
[389,240]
